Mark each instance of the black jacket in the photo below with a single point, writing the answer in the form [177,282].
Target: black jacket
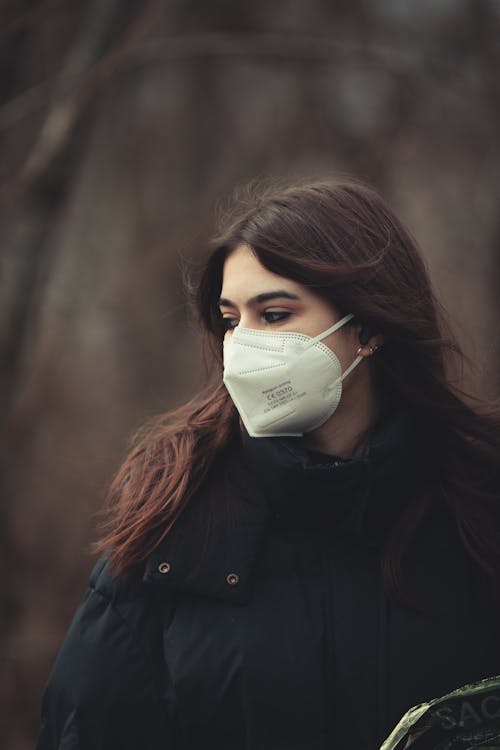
[267,627]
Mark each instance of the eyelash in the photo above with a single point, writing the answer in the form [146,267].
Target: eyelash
[280,317]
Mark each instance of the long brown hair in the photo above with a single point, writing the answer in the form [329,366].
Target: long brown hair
[343,241]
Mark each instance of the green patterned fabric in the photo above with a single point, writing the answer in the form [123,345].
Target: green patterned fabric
[466,719]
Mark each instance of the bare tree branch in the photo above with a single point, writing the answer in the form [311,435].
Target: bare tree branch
[298,48]
[91,71]
[27,19]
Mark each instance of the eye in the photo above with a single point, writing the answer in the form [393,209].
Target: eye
[229,323]
[274,316]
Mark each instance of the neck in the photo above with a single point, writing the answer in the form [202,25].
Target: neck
[347,431]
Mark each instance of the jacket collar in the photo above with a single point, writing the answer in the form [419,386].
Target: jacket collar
[358,496]
[214,546]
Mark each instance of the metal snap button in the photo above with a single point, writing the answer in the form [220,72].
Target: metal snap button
[164,567]
[232,579]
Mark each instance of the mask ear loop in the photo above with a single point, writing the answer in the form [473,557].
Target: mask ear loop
[358,359]
[330,330]
[346,372]
[353,364]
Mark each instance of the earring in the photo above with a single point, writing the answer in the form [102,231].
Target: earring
[372,349]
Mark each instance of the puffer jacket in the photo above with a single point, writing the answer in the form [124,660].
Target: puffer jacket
[261,622]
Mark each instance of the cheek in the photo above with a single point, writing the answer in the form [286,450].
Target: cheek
[344,346]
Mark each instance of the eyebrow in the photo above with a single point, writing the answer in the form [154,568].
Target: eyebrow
[259,298]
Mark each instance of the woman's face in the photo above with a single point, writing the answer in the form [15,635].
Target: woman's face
[254,297]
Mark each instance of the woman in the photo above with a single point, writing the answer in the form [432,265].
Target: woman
[310,547]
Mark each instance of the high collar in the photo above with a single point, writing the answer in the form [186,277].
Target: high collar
[361,495]
[268,481]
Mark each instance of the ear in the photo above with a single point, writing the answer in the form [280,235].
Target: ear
[369,337]
[366,332]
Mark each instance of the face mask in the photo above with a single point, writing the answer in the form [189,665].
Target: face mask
[283,383]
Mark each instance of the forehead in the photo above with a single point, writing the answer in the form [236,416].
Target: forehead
[244,276]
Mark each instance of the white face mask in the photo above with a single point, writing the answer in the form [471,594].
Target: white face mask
[283,383]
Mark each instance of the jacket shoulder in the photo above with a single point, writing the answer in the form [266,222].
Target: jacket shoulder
[104,687]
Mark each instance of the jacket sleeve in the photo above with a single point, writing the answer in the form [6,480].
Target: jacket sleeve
[101,693]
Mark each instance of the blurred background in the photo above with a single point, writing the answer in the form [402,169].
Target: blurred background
[124,125]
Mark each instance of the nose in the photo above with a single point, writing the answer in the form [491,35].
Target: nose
[245,321]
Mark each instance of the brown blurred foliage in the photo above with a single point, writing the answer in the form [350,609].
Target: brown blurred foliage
[123,125]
